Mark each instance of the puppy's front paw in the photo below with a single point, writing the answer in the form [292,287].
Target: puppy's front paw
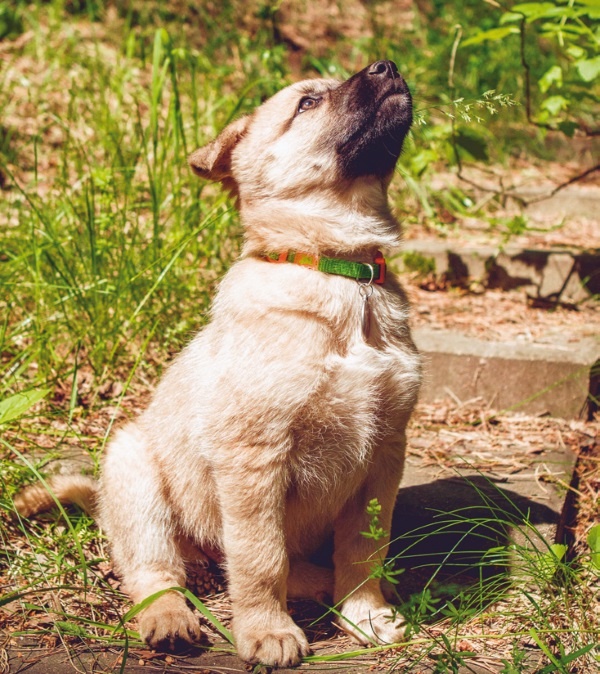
[371,624]
[277,642]
[168,624]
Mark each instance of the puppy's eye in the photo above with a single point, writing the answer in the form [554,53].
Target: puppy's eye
[307,103]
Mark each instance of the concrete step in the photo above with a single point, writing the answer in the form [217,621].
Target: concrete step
[482,499]
[567,274]
[561,378]
[557,373]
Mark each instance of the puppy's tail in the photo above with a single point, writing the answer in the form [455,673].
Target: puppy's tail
[66,489]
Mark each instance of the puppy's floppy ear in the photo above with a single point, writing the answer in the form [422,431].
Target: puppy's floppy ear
[213,161]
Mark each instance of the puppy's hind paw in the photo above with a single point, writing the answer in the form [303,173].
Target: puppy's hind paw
[376,626]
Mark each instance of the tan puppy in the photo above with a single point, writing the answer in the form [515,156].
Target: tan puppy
[287,413]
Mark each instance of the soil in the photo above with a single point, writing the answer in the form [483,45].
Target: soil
[496,315]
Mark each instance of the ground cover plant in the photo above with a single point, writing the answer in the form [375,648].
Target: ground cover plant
[110,249]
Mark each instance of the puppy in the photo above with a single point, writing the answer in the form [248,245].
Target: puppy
[287,413]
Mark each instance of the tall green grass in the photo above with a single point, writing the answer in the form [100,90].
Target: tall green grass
[107,236]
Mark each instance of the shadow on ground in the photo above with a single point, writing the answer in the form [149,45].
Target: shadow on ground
[462,532]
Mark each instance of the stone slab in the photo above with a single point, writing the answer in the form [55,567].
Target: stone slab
[571,202]
[536,378]
[566,274]
[445,503]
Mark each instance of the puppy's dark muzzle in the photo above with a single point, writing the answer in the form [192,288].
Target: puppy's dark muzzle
[386,76]
[376,109]
[372,85]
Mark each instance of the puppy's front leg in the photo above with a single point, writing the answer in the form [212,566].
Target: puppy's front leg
[252,488]
[368,617]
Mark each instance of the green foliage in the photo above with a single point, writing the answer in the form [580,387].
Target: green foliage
[200,606]
[544,585]
[127,238]
[517,662]
[451,659]
[549,562]
[14,407]
[376,532]
[418,609]
[568,86]
[593,540]
[417,263]
[559,662]
[11,23]
[380,569]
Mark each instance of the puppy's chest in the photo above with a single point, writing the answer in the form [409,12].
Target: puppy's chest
[357,403]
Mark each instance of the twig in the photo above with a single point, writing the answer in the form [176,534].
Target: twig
[514,195]
[588,132]
[457,37]
[572,180]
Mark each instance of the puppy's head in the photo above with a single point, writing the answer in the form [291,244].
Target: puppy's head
[316,134]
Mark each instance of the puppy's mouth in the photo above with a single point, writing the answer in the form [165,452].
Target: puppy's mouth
[395,96]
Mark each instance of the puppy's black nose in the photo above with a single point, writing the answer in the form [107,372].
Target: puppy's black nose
[386,69]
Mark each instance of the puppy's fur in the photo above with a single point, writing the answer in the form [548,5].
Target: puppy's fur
[281,419]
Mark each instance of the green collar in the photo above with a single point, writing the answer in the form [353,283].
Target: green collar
[373,272]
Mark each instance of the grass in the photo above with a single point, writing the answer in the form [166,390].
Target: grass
[109,252]
[523,586]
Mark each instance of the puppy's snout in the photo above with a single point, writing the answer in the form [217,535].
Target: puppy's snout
[384,69]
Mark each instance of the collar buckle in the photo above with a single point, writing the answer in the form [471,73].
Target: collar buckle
[274,257]
[380,260]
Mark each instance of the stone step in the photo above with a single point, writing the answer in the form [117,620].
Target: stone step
[454,515]
[561,378]
[473,525]
[567,274]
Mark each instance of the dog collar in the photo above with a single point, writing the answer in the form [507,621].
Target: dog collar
[372,272]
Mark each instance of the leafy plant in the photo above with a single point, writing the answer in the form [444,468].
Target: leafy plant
[417,263]
[15,406]
[593,539]
[567,89]
[376,532]
[11,23]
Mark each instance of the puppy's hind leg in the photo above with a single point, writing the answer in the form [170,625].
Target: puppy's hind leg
[309,581]
[138,522]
